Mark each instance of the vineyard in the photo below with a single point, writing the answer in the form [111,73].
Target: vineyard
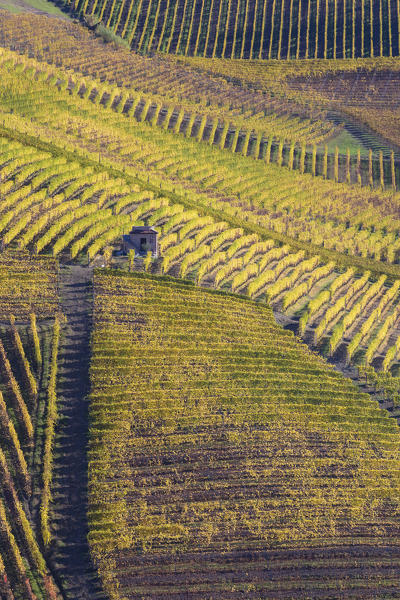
[361,92]
[236,235]
[256,29]
[27,286]
[29,337]
[367,97]
[218,418]
[268,124]
[179,461]
[281,201]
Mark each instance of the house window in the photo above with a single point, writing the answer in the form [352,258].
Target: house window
[142,241]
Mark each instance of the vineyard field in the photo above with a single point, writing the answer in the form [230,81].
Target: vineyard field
[363,92]
[278,29]
[28,363]
[199,300]
[172,159]
[161,424]
[27,285]
[73,215]
[287,120]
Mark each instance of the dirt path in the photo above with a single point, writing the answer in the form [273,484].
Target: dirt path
[71,559]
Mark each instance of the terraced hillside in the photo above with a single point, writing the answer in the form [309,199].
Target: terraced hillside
[192,492]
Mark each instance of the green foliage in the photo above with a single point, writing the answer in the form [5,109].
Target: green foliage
[109,36]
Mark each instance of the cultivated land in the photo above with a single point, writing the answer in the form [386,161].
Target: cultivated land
[279,29]
[220,421]
[28,353]
[192,394]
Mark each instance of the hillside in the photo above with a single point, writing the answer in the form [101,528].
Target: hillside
[361,93]
[94,167]
[192,493]
[262,99]
[29,337]
[220,418]
[251,28]
[368,96]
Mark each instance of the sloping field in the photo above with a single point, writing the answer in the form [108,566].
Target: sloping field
[226,232]
[41,7]
[366,90]
[106,128]
[28,369]
[225,459]
[163,438]
[179,92]
[27,285]
[251,28]
[280,119]
[370,97]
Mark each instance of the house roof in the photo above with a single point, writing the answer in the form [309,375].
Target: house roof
[143,229]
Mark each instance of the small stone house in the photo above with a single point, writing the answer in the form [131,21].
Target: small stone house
[141,239]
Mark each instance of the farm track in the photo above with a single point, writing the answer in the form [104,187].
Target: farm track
[70,557]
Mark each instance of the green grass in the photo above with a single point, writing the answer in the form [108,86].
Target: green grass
[11,7]
[346,140]
[20,6]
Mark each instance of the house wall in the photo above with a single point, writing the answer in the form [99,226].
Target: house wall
[151,240]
